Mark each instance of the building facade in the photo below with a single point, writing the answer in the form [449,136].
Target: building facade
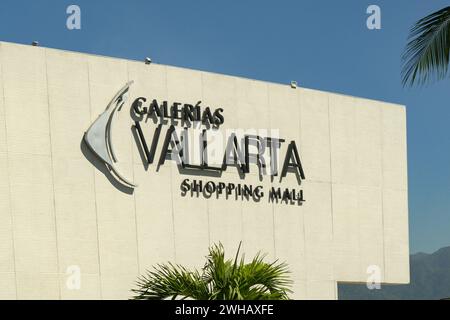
[94,189]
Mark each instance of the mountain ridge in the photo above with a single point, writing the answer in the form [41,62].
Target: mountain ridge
[429,280]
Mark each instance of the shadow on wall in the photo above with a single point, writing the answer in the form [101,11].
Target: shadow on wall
[100,166]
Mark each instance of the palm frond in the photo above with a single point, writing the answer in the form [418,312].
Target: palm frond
[426,56]
[219,279]
[170,282]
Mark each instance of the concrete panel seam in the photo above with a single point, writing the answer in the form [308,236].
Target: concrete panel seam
[95,188]
[134,193]
[52,168]
[7,166]
[382,194]
[171,188]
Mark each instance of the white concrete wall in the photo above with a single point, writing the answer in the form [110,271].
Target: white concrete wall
[58,208]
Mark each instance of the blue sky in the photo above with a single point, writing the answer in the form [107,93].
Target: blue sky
[323,45]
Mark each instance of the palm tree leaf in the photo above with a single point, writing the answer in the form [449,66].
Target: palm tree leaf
[170,282]
[426,56]
[219,279]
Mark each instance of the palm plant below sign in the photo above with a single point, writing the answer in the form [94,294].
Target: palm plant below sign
[219,279]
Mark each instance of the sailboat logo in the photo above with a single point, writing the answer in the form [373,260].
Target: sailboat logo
[98,136]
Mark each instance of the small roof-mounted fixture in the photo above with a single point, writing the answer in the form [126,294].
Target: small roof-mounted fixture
[293,84]
[148,60]
[35,43]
